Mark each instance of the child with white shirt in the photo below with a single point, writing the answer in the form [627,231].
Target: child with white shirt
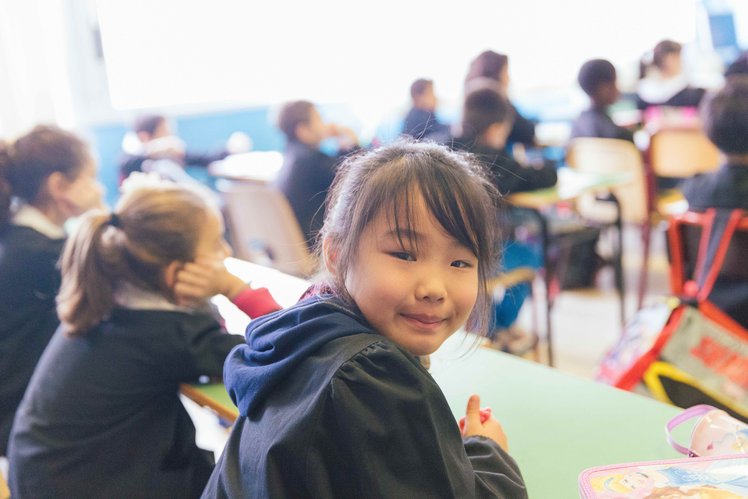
[102,416]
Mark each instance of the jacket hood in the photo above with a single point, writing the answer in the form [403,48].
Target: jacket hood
[278,342]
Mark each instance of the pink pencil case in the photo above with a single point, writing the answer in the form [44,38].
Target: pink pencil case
[710,476]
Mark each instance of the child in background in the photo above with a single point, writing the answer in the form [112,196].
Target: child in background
[725,121]
[46,177]
[490,64]
[663,82]
[102,416]
[332,397]
[597,78]
[307,172]
[421,121]
[151,146]
[486,121]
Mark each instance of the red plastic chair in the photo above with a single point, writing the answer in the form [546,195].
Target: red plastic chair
[690,236]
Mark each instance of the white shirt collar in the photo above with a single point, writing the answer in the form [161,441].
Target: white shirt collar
[128,296]
[29,216]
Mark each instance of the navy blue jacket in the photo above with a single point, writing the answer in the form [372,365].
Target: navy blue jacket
[330,408]
[102,417]
[29,281]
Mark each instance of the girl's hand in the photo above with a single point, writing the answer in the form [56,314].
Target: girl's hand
[202,279]
[479,421]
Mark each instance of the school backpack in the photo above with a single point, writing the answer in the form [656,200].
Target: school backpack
[685,350]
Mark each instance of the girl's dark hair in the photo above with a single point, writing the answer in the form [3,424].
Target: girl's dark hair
[26,163]
[484,105]
[725,116]
[594,73]
[658,55]
[664,49]
[151,227]
[148,123]
[488,64]
[292,114]
[386,180]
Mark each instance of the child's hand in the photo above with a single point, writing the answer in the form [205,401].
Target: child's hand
[479,421]
[201,279]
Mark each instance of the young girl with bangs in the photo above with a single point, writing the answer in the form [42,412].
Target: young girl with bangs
[102,416]
[332,397]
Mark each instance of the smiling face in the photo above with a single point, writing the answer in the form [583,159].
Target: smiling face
[417,291]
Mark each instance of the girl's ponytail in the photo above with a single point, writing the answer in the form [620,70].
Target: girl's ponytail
[6,190]
[86,294]
[154,224]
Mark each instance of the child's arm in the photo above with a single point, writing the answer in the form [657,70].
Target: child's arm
[202,279]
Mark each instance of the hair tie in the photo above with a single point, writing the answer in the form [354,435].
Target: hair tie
[114,220]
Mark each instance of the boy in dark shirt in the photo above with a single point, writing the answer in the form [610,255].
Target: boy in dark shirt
[597,78]
[421,121]
[307,172]
[487,119]
[725,119]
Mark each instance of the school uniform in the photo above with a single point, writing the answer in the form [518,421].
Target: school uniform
[102,416]
[507,174]
[304,179]
[329,408]
[29,280]
[595,122]
[725,188]
[523,130]
[676,92]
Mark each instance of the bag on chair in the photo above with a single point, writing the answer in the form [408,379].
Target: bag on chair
[686,352]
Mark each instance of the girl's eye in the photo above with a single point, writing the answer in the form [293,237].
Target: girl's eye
[462,264]
[403,255]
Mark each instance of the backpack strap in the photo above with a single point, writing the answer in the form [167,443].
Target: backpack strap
[713,249]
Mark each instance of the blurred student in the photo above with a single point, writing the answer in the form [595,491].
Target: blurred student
[490,64]
[663,82]
[725,121]
[486,121]
[47,177]
[487,118]
[152,146]
[597,78]
[307,172]
[421,121]
[102,415]
[333,400]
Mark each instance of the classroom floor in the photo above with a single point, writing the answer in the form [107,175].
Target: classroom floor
[586,322]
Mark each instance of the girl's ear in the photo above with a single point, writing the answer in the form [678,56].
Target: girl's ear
[330,255]
[57,185]
[170,274]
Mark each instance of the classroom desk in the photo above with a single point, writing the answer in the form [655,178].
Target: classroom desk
[571,185]
[557,424]
[259,167]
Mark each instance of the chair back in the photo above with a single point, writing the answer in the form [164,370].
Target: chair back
[682,153]
[264,228]
[613,155]
[690,236]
